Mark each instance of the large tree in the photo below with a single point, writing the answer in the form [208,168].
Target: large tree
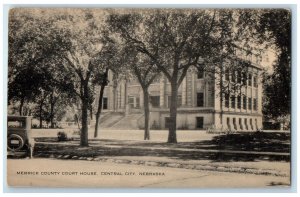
[71,37]
[145,71]
[275,28]
[174,40]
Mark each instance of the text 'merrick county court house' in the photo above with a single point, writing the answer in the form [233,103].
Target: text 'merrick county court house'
[199,100]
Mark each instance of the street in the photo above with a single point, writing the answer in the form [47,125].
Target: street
[77,173]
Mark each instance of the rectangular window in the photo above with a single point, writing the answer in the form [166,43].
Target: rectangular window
[244,102]
[255,104]
[227,100]
[233,76]
[104,103]
[244,78]
[234,124]
[131,101]
[228,124]
[255,82]
[137,100]
[154,100]
[167,122]
[249,80]
[200,73]
[16,124]
[233,102]
[200,99]
[200,121]
[239,77]
[179,100]
[227,74]
[246,123]
[240,124]
[239,102]
[249,103]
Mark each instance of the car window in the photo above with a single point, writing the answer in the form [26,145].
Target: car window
[16,124]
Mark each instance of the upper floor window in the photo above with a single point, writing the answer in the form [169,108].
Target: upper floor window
[239,102]
[255,84]
[239,76]
[200,99]
[244,80]
[227,100]
[179,101]
[244,102]
[232,101]
[154,100]
[200,73]
[255,104]
[233,76]
[249,103]
[227,74]
[249,80]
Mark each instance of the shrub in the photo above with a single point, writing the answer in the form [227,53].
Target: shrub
[62,136]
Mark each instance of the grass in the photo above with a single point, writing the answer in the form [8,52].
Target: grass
[258,142]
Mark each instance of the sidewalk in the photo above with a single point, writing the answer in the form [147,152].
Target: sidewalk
[157,154]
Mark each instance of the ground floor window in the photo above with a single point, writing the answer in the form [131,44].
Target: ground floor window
[256,125]
[167,122]
[228,123]
[246,124]
[131,101]
[240,123]
[104,103]
[234,123]
[137,102]
[199,122]
[251,125]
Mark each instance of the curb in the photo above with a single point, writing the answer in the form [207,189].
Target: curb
[168,164]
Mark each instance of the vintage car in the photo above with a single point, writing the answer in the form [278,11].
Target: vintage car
[19,139]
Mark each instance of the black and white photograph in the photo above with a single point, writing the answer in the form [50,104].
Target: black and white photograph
[149,97]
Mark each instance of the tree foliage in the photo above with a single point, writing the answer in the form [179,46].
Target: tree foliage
[275,26]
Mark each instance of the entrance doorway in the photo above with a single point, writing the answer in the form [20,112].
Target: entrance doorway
[199,122]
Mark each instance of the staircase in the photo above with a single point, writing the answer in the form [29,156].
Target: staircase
[128,122]
[110,119]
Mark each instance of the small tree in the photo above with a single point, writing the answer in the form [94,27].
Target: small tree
[146,72]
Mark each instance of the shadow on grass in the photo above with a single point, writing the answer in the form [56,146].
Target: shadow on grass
[255,146]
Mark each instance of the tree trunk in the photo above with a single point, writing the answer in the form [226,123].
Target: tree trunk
[40,114]
[52,104]
[221,96]
[21,106]
[172,138]
[84,116]
[99,109]
[91,112]
[147,114]
[115,96]
[52,115]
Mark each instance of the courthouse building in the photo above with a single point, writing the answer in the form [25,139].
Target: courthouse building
[199,102]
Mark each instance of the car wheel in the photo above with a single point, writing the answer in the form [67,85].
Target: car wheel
[15,142]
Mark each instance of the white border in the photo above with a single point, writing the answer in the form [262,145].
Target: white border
[295,73]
